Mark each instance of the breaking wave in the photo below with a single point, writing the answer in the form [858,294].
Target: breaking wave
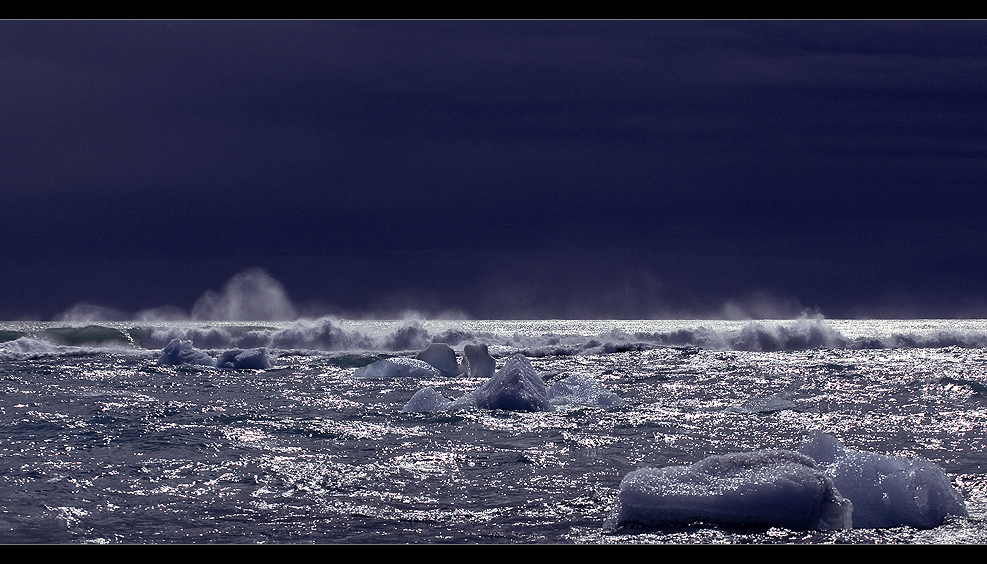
[533,338]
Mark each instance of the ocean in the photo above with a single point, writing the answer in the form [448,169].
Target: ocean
[108,440]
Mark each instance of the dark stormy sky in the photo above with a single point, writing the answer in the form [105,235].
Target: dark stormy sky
[502,169]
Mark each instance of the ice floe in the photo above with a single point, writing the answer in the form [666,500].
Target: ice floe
[181,352]
[823,486]
[442,357]
[764,488]
[477,361]
[886,491]
[515,387]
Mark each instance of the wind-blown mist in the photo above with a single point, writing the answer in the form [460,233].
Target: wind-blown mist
[85,313]
[252,295]
[255,295]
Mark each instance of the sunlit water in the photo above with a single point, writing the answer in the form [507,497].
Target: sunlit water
[101,444]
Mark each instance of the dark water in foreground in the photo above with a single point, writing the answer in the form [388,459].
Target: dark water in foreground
[101,444]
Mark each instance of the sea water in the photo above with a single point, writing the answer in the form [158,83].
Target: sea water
[104,440]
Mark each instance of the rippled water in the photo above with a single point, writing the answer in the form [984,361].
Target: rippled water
[101,444]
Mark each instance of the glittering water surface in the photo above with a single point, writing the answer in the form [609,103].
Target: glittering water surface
[101,444]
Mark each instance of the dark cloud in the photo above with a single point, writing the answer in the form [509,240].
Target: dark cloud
[531,168]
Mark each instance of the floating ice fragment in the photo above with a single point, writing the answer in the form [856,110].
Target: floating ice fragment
[426,400]
[765,488]
[397,367]
[477,361]
[180,351]
[442,357]
[582,390]
[250,359]
[515,387]
[886,491]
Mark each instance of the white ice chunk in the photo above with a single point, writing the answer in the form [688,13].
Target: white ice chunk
[397,367]
[250,359]
[515,387]
[886,491]
[764,488]
[180,351]
[582,390]
[442,357]
[427,400]
[477,361]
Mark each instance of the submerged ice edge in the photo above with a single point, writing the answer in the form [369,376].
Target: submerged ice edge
[505,338]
